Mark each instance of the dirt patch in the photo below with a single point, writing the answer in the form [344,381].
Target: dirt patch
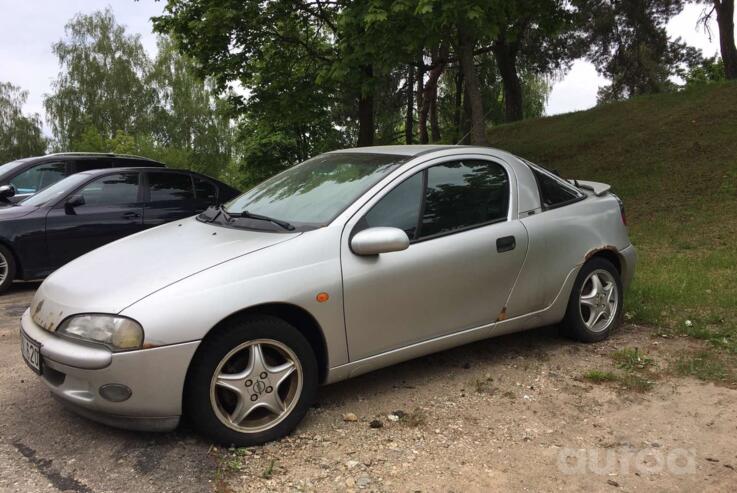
[513,413]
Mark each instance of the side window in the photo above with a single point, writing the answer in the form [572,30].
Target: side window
[39,177]
[463,194]
[169,186]
[552,192]
[205,190]
[456,195]
[111,190]
[400,208]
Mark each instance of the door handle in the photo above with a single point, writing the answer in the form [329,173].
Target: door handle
[505,244]
[131,215]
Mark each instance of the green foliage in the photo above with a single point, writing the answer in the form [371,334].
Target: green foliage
[188,122]
[100,83]
[710,70]
[20,135]
[307,69]
[110,97]
[628,43]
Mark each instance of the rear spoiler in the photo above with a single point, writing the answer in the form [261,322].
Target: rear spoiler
[597,188]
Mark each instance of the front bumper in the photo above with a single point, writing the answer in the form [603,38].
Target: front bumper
[74,372]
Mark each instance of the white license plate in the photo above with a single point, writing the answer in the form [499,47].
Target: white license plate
[31,351]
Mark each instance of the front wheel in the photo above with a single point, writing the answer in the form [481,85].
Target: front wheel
[251,382]
[595,305]
[7,268]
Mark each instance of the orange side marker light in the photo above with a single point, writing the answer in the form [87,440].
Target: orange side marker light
[322,297]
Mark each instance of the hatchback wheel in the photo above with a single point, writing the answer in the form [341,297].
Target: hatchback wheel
[251,382]
[7,268]
[595,305]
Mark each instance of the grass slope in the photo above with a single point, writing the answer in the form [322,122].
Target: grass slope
[672,158]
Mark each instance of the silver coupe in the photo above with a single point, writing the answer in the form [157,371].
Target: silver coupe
[351,261]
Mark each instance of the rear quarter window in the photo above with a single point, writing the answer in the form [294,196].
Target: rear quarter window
[553,191]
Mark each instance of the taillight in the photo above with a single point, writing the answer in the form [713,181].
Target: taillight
[621,211]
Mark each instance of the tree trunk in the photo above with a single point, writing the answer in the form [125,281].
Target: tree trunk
[366,113]
[458,112]
[473,91]
[434,126]
[421,124]
[429,93]
[409,115]
[506,60]
[725,20]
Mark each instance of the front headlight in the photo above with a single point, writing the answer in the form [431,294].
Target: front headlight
[118,333]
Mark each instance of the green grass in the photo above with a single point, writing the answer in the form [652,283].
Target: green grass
[703,365]
[633,364]
[635,383]
[672,158]
[631,359]
[600,376]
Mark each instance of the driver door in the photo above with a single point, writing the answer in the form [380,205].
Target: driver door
[464,256]
[112,209]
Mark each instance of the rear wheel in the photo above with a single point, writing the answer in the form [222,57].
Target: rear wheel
[595,305]
[252,382]
[7,268]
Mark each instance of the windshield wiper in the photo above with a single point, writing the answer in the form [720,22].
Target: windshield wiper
[229,216]
[216,211]
[258,217]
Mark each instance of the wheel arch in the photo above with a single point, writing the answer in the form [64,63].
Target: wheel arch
[16,258]
[607,253]
[294,315]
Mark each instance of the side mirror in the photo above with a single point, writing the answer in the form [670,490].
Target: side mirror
[6,191]
[373,241]
[74,201]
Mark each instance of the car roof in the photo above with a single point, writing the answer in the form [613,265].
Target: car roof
[103,171]
[94,154]
[415,150]
[397,150]
[83,155]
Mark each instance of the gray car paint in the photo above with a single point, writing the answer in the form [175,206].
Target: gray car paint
[180,280]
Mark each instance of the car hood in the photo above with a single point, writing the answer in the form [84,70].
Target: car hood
[115,276]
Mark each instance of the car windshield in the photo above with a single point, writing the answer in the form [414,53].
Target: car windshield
[315,192]
[56,191]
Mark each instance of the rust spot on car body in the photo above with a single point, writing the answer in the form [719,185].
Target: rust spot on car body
[502,314]
[594,251]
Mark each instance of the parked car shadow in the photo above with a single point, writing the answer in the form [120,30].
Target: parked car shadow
[531,346]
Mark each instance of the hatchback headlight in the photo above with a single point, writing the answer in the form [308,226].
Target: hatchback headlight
[118,333]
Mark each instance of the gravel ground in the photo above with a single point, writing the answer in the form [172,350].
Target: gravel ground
[512,413]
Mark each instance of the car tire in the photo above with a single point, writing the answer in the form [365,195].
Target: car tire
[244,367]
[7,268]
[595,305]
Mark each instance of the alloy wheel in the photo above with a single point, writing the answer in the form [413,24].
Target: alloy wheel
[3,268]
[598,300]
[256,385]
